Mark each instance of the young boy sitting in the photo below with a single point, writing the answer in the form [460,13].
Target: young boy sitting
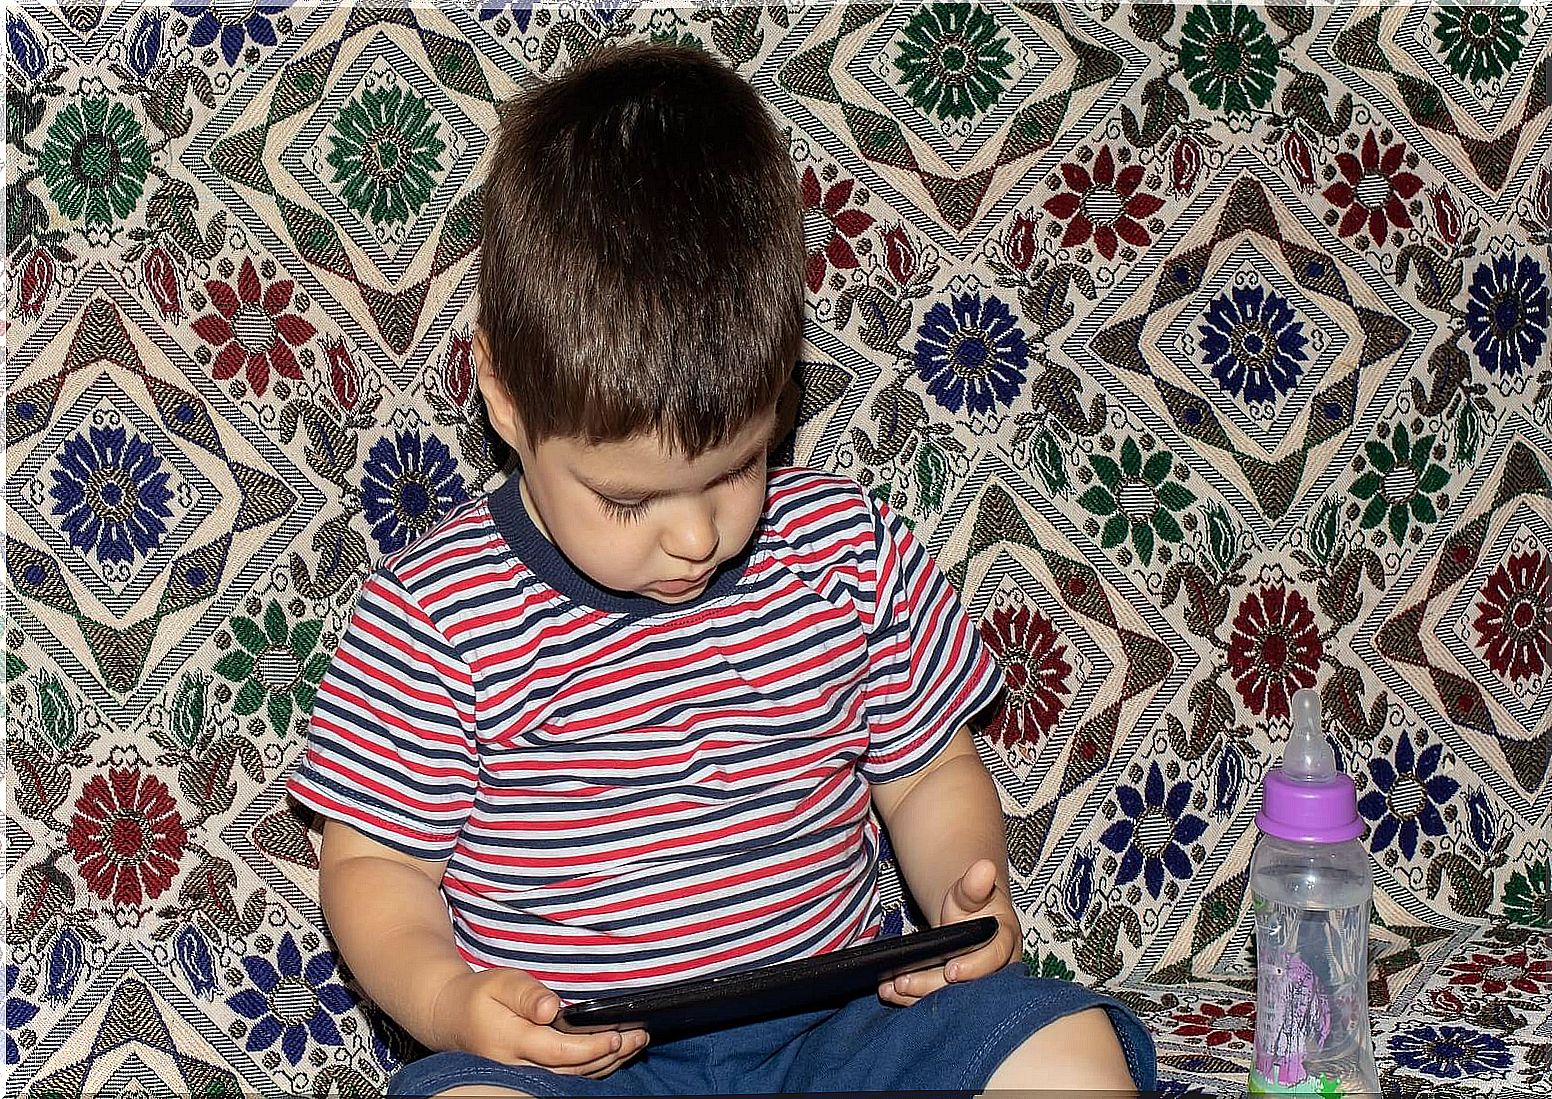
[625,719]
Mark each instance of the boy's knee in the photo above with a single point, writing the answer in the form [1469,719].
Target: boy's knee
[481,1091]
[1076,1053]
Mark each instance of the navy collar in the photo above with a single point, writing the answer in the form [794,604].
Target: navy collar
[550,565]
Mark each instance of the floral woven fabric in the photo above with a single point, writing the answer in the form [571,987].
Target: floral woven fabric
[1206,346]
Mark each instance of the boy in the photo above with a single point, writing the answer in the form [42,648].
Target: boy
[624,719]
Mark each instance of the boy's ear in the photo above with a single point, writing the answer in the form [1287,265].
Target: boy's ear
[498,401]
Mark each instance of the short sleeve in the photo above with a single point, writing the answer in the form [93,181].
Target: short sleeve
[391,746]
[929,671]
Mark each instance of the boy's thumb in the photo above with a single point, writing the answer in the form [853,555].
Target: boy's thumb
[538,1004]
[976,886]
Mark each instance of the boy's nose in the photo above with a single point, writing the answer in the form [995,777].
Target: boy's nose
[693,537]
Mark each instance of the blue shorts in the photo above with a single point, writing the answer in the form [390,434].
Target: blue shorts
[950,1041]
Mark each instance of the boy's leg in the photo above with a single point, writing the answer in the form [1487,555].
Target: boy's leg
[481,1091]
[1077,1053]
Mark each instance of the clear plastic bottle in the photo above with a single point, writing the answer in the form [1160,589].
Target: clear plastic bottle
[1310,886]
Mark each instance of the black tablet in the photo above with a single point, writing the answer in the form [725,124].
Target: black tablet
[709,1002]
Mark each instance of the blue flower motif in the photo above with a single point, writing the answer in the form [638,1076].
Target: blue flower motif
[522,11]
[1254,343]
[1078,889]
[894,923]
[111,489]
[145,44]
[1449,1052]
[408,484]
[193,954]
[1406,797]
[1228,781]
[64,966]
[1152,837]
[1506,314]
[972,353]
[1480,820]
[232,26]
[18,1013]
[292,1002]
[26,50]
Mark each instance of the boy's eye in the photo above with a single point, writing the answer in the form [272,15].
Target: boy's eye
[623,512]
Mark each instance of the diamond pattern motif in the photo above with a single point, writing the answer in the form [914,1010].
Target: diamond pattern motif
[1203,346]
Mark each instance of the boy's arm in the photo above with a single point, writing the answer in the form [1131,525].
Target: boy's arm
[386,913]
[945,825]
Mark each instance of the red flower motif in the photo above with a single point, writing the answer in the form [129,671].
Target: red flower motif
[344,375]
[1218,1025]
[1374,189]
[1185,164]
[1514,616]
[829,227]
[161,278]
[37,280]
[252,329]
[1020,244]
[1035,668]
[458,369]
[1296,154]
[1497,974]
[1274,649]
[126,836]
[1446,215]
[899,253]
[1104,206]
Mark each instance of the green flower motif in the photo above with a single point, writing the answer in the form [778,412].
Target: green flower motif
[386,154]
[276,666]
[1527,897]
[884,493]
[956,59]
[1137,498]
[1402,484]
[1047,965]
[1229,59]
[674,38]
[95,160]
[1479,42]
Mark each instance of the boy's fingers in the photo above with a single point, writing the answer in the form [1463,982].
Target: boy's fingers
[576,1052]
[913,986]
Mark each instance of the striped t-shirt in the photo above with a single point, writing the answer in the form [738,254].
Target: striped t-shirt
[628,792]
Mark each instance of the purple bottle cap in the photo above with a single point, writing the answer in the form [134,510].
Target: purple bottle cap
[1309,812]
[1307,800]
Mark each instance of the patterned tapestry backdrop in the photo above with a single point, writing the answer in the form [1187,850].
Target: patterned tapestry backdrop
[1207,347]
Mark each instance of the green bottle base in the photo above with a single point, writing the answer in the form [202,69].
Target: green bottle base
[1329,1087]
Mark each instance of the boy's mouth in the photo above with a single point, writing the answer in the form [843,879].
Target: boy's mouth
[682,587]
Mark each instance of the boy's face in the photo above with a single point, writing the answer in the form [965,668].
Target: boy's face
[632,515]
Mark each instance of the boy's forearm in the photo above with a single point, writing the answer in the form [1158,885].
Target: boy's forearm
[948,821]
[392,929]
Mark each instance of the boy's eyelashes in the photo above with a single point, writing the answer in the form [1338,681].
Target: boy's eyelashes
[631,510]
[625,513]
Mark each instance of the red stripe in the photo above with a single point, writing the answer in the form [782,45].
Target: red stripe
[738,952]
[653,905]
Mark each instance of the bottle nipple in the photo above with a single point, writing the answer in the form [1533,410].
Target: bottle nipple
[1308,757]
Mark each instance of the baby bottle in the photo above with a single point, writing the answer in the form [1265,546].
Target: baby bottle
[1310,886]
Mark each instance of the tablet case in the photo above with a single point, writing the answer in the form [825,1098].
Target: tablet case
[710,1002]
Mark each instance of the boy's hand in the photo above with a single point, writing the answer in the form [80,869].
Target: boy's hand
[976,893]
[505,1014]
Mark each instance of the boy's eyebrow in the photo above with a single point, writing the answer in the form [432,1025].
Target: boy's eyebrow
[615,488]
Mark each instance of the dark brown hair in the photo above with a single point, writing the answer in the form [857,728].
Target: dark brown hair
[642,267]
